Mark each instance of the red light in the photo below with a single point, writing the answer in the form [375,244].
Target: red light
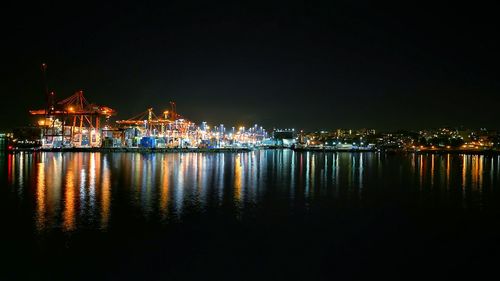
[10,147]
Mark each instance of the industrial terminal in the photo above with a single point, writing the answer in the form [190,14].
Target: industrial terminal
[77,123]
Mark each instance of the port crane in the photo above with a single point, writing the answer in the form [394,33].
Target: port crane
[170,126]
[73,121]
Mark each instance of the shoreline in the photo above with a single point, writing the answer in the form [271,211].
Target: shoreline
[132,150]
[434,151]
[245,149]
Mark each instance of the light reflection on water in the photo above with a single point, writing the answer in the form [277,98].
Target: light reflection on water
[71,191]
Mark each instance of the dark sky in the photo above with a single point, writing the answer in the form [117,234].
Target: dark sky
[302,64]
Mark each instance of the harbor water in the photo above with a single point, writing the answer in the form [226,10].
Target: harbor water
[257,215]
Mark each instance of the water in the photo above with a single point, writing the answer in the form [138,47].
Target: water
[270,214]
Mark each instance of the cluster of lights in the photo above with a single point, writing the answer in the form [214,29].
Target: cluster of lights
[220,137]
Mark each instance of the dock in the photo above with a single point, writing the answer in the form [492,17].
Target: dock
[135,150]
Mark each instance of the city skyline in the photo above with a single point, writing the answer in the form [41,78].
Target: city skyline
[115,119]
[311,66]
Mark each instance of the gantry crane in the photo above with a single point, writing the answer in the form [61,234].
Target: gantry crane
[171,127]
[71,122]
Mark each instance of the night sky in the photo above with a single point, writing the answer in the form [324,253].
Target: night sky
[308,64]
